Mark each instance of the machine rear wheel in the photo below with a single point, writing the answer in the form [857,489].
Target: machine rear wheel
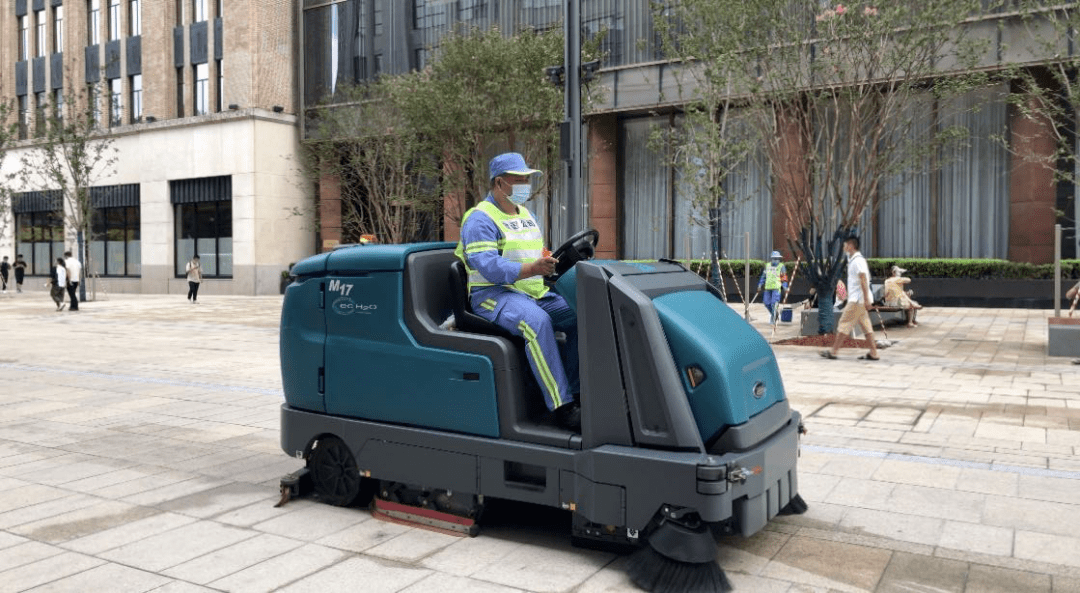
[333,472]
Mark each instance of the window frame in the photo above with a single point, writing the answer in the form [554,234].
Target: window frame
[130,230]
[114,20]
[23,24]
[178,213]
[45,220]
[40,33]
[93,22]
[116,102]
[24,114]
[134,18]
[201,90]
[135,90]
[198,11]
[58,29]
[58,105]
[40,116]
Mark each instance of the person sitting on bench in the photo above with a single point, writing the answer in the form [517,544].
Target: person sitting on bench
[896,297]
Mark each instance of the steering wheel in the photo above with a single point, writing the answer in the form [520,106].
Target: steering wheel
[580,247]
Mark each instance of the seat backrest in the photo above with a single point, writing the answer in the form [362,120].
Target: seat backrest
[464,317]
[459,288]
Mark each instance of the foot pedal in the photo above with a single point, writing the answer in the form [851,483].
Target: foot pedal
[295,485]
[432,520]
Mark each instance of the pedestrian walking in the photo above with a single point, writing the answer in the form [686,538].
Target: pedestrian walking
[74,275]
[859,301]
[194,278]
[5,269]
[20,271]
[58,281]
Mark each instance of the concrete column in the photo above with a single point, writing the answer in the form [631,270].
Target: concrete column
[792,183]
[158,71]
[1032,188]
[603,183]
[330,211]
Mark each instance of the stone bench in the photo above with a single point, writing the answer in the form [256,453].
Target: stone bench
[889,316]
[1064,336]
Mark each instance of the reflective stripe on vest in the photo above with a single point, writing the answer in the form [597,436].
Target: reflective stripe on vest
[772,276]
[519,241]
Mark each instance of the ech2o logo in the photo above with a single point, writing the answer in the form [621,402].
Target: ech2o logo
[347,306]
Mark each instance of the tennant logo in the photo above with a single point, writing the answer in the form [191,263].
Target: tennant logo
[347,306]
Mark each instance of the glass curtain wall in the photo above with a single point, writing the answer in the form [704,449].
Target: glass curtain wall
[973,216]
[40,240]
[116,247]
[645,191]
[659,214]
[205,228]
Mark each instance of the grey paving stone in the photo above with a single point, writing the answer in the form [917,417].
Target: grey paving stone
[158,552]
[988,579]
[226,561]
[909,572]
[279,571]
[106,577]
[831,565]
[377,577]
[82,522]
[45,571]
[127,533]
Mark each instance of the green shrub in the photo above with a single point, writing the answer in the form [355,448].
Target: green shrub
[984,269]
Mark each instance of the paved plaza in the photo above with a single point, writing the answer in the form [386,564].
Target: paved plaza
[139,452]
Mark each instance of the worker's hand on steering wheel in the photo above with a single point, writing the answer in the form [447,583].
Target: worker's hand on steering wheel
[543,266]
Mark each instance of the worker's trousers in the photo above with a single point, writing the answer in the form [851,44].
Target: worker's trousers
[770,298]
[537,320]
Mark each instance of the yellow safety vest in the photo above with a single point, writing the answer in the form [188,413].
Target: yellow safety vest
[773,276]
[520,241]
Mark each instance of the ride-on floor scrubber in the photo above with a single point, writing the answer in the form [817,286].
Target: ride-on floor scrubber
[686,433]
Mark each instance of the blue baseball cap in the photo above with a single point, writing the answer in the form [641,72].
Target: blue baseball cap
[510,162]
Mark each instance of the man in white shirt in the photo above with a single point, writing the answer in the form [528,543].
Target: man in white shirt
[860,300]
[74,269]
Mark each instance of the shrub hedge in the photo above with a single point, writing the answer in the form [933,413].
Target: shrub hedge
[924,268]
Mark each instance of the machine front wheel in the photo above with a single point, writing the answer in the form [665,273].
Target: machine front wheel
[334,475]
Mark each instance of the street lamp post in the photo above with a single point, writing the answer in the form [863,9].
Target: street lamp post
[573,188]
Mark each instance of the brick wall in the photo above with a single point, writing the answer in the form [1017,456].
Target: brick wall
[1032,189]
[603,183]
[329,212]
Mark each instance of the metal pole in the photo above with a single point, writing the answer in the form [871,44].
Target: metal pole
[79,248]
[746,275]
[573,189]
[1057,270]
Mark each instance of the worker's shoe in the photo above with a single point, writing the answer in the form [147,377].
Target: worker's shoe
[569,416]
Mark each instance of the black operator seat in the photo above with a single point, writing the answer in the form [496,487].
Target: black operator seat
[464,317]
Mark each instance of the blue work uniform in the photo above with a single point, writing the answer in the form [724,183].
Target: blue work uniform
[534,319]
[774,280]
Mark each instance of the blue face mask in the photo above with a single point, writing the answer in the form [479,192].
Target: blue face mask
[520,194]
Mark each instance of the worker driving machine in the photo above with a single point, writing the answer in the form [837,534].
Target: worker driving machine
[685,430]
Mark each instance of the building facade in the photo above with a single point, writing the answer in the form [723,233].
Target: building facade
[985,202]
[199,99]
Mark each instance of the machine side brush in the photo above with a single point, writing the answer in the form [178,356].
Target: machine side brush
[678,558]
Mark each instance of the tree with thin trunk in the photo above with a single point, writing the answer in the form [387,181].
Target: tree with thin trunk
[366,144]
[711,140]
[412,149]
[74,153]
[837,99]
[9,133]
[1048,96]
